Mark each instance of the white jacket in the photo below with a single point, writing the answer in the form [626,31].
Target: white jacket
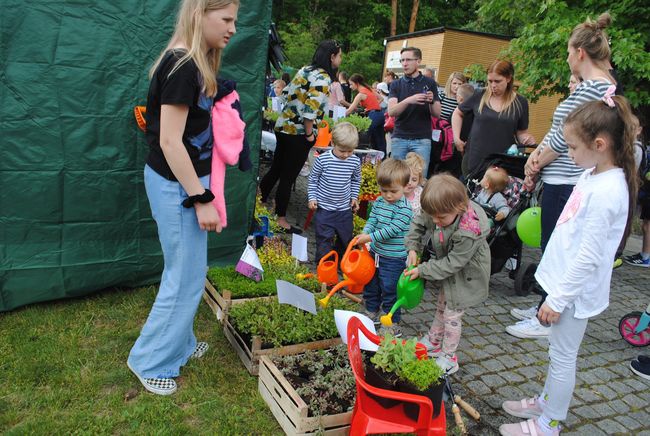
[576,267]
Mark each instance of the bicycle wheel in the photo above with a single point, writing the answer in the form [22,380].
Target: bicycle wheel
[626,327]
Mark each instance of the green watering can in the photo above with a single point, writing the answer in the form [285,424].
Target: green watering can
[409,295]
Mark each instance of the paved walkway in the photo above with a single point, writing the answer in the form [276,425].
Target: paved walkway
[494,366]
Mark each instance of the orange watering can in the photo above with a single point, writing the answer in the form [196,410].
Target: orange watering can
[358,267]
[324,136]
[327,270]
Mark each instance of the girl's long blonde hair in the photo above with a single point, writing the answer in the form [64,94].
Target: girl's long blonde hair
[455,75]
[189,32]
[507,70]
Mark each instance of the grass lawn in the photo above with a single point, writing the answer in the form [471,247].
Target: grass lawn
[64,371]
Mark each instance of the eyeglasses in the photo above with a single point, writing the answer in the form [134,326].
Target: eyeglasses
[408,60]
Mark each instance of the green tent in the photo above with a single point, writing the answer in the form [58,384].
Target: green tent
[74,217]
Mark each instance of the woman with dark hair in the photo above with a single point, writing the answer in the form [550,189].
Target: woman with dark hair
[306,99]
[500,117]
[367,99]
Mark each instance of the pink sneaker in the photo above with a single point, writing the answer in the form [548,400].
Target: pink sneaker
[525,428]
[526,408]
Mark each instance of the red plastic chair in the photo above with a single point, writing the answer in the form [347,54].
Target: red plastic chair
[368,416]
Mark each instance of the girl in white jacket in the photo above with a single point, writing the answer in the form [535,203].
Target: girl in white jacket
[576,267]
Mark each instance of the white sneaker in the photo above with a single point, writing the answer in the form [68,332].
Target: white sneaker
[449,364]
[305,170]
[432,351]
[528,328]
[523,314]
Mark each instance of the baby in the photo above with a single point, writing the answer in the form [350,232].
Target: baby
[493,183]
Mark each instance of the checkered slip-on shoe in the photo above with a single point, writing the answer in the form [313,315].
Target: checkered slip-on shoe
[157,385]
[200,350]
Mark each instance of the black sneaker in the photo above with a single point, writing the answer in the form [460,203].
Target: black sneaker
[637,260]
[641,369]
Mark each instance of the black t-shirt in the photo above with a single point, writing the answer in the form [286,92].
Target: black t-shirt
[182,87]
[415,121]
[492,132]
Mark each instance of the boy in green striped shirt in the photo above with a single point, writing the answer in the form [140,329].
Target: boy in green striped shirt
[385,229]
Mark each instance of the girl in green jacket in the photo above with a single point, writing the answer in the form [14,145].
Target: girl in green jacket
[454,231]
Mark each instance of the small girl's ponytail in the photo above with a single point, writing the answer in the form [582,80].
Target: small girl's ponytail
[616,121]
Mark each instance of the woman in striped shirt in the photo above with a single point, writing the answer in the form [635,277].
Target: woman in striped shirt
[588,58]
[448,96]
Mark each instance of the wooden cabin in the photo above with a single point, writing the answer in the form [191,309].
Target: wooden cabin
[446,49]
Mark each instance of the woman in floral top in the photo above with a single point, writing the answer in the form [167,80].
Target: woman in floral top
[306,99]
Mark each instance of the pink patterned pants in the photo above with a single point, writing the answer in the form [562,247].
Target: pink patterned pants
[445,330]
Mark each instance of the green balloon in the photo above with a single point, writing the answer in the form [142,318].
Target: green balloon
[529,227]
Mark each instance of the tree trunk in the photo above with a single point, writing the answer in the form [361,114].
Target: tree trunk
[393,18]
[414,15]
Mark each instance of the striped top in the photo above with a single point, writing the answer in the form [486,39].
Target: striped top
[448,105]
[563,171]
[334,182]
[387,226]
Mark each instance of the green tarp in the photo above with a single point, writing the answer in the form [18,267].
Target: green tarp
[74,217]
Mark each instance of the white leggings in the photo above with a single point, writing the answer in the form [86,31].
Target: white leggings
[565,339]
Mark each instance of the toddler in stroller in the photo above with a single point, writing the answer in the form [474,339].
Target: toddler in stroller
[490,196]
[503,240]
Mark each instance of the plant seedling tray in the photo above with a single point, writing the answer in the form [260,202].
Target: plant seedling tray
[290,410]
[250,354]
[220,303]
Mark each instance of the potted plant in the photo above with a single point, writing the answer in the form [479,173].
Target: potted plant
[399,366]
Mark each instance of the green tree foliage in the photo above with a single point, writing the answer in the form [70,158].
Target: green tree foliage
[542,29]
[359,25]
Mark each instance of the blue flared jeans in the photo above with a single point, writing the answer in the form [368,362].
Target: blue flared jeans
[167,337]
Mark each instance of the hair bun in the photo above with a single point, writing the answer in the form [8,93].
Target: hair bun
[604,21]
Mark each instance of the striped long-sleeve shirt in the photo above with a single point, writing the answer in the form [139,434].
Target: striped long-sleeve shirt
[387,226]
[334,182]
[563,171]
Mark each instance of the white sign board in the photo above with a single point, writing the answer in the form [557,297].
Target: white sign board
[288,293]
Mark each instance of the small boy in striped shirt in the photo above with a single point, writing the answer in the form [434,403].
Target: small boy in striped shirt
[333,191]
[385,229]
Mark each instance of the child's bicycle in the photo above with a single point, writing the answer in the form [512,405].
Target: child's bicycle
[635,329]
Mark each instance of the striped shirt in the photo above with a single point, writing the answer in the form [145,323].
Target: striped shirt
[563,171]
[334,182]
[387,226]
[448,105]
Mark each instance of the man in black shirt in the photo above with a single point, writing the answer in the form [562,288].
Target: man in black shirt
[413,99]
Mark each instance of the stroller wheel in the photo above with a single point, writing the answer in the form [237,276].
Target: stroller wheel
[525,278]
[626,327]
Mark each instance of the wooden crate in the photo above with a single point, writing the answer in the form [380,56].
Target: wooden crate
[290,409]
[250,356]
[220,304]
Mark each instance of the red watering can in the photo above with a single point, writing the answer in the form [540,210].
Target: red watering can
[358,267]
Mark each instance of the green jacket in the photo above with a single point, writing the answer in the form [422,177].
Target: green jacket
[462,256]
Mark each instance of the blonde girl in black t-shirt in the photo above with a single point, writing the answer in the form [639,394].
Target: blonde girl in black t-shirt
[183,86]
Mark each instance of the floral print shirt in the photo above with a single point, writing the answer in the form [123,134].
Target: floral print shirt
[306,97]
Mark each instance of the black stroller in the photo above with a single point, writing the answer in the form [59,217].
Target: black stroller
[503,240]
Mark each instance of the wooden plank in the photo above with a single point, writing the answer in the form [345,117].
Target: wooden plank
[240,346]
[293,415]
